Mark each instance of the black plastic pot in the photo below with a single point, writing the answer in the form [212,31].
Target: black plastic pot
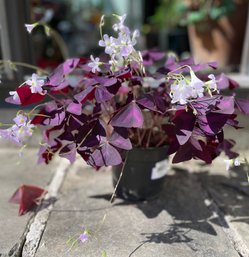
[143,175]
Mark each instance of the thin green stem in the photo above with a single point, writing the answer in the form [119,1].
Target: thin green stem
[5,124]
[30,113]
[119,179]
[22,64]
[60,42]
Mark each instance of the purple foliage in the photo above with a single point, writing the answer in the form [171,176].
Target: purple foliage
[116,104]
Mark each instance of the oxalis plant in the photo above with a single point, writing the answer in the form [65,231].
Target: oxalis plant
[98,107]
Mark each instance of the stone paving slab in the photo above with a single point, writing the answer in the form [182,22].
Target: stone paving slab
[230,191]
[182,222]
[13,173]
[179,223]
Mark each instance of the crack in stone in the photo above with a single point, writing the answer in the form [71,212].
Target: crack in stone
[38,224]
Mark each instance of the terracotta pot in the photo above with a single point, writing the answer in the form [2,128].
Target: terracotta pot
[143,175]
[220,40]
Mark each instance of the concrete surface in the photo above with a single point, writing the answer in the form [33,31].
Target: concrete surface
[13,173]
[179,223]
[203,211]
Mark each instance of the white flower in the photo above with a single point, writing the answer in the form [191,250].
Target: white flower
[236,162]
[30,27]
[22,133]
[197,85]
[228,164]
[152,83]
[120,25]
[125,45]
[212,82]
[17,134]
[94,64]
[20,120]
[15,97]
[108,43]
[180,92]
[35,84]
[135,34]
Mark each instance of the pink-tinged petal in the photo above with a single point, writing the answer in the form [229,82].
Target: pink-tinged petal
[30,27]
[75,108]
[130,116]
[20,120]
[27,197]
[14,98]
[11,100]
[120,142]
[27,97]
[107,155]
[83,237]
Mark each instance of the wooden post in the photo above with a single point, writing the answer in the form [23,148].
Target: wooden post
[245,53]
[15,40]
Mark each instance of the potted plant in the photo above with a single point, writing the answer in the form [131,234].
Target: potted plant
[216,28]
[106,110]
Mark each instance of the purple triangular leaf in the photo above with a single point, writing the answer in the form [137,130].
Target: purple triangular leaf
[216,121]
[242,105]
[102,95]
[226,146]
[107,155]
[56,118]
[68,152]
[130,116]
[74,108]
[117,140]
[225,105]
[184,153]
[86,94]
[184,125]
[147,101]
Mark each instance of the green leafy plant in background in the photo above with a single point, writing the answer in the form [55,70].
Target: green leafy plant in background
[177,12]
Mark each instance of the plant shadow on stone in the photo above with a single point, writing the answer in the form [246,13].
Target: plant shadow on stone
[183,197]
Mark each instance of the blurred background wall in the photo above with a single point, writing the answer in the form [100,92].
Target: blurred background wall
[179,26]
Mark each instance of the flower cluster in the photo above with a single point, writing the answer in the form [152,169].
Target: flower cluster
[19,132]
[97,109]
[183,90]
[121,49]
